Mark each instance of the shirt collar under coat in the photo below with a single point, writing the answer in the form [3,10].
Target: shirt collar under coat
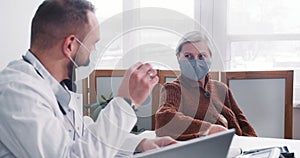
[62,95]
[186,82]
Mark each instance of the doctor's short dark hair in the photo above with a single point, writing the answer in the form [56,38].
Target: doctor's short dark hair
[193,37]
[56,19]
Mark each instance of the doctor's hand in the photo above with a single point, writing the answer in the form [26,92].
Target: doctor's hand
[138,82]
[149,144]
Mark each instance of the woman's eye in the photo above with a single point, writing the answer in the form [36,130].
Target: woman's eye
[202,56]
[189,56]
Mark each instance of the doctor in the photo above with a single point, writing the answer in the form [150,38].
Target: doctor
[40,114]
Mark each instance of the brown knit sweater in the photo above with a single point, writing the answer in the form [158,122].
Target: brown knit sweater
[186,113]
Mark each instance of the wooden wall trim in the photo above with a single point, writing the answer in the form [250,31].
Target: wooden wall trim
[289,105]
[223,76]
[93,88]
[276,74]
[256,74]
[85,93]
[101,73]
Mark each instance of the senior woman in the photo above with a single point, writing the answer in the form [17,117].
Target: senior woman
[195,105]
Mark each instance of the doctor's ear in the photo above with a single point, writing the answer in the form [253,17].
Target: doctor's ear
[70,45]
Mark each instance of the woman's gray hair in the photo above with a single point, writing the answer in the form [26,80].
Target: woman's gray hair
[193,37]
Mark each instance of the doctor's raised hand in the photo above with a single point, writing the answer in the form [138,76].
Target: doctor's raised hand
[138,82]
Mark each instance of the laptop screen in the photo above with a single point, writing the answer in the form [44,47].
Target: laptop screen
[211,146]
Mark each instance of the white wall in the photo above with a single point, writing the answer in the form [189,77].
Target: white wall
[15,18]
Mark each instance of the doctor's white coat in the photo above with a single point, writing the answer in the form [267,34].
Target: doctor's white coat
[32,124]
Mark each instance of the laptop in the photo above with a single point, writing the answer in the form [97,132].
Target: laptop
[211,146]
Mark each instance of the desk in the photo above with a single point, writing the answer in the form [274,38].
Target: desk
[248,143]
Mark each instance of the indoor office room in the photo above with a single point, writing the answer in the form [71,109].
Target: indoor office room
[198,75]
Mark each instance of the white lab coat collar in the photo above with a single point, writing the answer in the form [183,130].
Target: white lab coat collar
[62,95]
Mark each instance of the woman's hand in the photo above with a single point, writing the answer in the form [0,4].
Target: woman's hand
[149,144]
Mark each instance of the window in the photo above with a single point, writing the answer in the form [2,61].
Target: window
[250,34]
[264,35]
[273,17]
[105,10]
[185,7]
[152,44]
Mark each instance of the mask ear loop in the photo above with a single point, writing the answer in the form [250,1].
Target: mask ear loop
[73,61]
[83,47]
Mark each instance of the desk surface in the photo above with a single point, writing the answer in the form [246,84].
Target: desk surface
[248,143]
